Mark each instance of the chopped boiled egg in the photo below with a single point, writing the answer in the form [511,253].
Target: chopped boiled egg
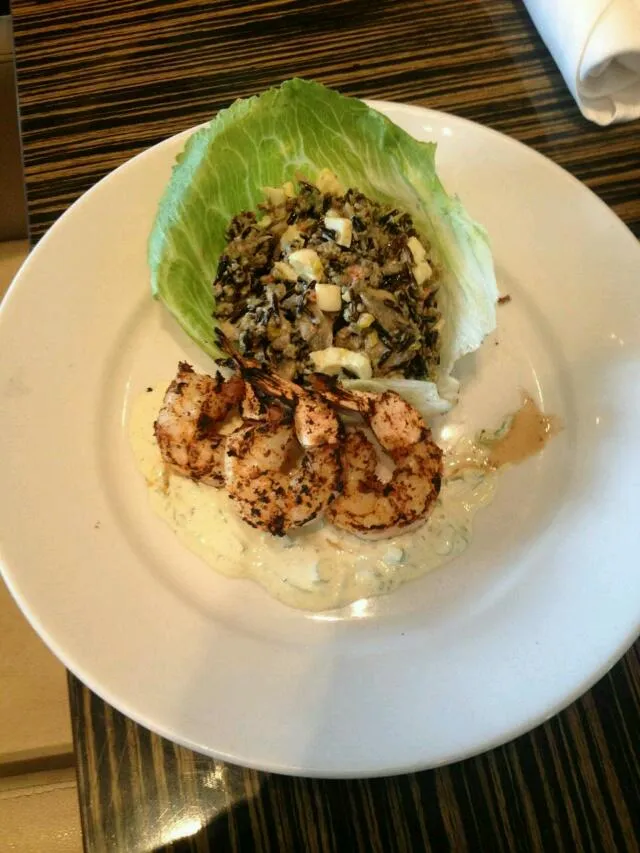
[327,182]
[283,271]
[289,237]
[306,264]
[341,227]
[333,360]
[328,297]
[365,320]
[275,195]
[422,272]
[418,251]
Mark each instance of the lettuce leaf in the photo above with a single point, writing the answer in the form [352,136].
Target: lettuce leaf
[302,126]
[423,396]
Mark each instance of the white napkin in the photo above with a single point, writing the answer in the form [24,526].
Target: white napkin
[596,46]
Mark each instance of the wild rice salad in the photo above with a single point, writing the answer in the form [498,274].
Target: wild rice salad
[327,280]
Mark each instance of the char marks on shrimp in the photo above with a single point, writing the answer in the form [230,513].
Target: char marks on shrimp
[289,459]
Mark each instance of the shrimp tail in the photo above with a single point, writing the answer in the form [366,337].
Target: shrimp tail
[263,392]
[268,386]
[331,390]
[225,344]
[242,362]
[271,386]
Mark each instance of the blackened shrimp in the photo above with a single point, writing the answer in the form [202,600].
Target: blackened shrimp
[282,472]
[369,506]
[188,425]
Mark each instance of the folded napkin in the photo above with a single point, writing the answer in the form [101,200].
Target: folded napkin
[596,46]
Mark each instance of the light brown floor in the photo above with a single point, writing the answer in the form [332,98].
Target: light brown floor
[38,810]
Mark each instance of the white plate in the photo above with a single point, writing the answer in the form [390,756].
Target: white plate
[544,601]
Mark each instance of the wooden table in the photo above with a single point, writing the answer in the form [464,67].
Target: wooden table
[101,81]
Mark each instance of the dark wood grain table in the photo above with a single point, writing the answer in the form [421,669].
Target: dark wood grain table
[100,81]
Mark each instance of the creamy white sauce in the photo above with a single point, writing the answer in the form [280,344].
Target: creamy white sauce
[317,567]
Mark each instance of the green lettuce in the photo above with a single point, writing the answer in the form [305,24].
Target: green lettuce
[302,126]
[422,395]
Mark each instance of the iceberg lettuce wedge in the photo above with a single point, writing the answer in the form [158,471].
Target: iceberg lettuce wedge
[302,126]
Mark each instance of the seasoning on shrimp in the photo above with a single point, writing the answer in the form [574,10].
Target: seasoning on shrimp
[266,492]
[283,471]
[291,459]
[188,425]
[369,506]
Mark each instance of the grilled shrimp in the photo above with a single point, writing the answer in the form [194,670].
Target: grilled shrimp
[284,470]
[269,488]
[369,506]
[187,427]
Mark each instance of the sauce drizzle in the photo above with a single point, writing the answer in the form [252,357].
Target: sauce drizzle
[526,433]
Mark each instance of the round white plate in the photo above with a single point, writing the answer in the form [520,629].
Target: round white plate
[544,601]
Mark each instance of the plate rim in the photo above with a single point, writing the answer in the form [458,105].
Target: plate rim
[10,575]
